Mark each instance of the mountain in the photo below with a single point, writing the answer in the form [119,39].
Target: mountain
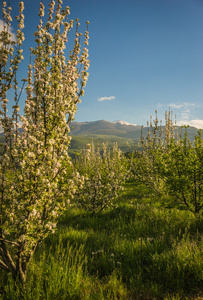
[102,131]
[103,127]
[117,129]
[127,135]
[124,123]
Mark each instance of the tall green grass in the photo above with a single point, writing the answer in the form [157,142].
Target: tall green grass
[138,250]
[60,272]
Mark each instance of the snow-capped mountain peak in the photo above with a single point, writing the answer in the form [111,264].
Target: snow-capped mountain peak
[124,123]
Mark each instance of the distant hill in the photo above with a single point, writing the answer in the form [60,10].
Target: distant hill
[125,134]
[102,131]
[118,128]
[102,127]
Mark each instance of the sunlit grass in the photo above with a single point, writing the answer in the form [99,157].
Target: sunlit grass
[138,250]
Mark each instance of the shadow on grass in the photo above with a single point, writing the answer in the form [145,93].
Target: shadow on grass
[154,250]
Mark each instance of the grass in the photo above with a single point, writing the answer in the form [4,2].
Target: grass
[138,250]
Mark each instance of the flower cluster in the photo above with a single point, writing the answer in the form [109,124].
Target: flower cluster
[102,175]
[33,165]
[170,165]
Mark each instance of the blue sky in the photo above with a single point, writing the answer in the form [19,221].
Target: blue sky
[145,55]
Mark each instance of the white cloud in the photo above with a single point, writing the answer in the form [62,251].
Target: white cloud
[181,105]
[194,123]
[10,30]
[184,112]
[185,115]
[106,98]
